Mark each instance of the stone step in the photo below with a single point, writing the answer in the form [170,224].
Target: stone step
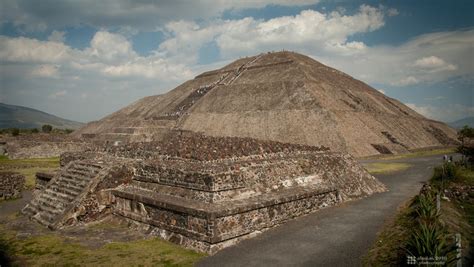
[87,166]
[53,201]
[47,208]
[64,193]
[42,218]
[60,196]
[70,177]
[30,209]
[80,172]
[75,187]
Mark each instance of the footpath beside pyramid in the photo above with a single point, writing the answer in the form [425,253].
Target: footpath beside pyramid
[282,96]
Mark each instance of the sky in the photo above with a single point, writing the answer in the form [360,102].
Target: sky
[83,60]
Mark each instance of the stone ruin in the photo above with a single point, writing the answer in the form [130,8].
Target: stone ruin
[39,145]
[198,191]
[11,185]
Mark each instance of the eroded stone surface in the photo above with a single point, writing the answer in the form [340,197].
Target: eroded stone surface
[11,185]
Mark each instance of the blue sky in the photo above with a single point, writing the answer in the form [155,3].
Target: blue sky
[85,59]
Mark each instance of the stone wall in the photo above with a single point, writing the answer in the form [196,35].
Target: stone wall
[188,145]
[11,185]
[221,226]
[33,149]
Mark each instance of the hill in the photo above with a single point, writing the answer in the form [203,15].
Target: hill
[22,117]
[469,121]
[285,97]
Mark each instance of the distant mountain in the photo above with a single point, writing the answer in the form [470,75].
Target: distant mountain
[469,121]
[22,117]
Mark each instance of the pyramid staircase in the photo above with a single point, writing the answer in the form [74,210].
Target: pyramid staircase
[55,204]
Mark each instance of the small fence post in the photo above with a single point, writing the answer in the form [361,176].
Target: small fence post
[458,250]
[438,203]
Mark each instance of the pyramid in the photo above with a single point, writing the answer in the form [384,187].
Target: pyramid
[281,96]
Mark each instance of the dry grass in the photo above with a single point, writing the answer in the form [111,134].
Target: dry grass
[383,167]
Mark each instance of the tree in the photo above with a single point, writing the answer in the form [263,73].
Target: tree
[47,128]
[466,136]
[34,130]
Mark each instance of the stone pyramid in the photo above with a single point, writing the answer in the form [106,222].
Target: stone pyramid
[285,97]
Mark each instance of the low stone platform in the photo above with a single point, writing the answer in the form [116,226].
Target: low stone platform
[201,192]
[210,227]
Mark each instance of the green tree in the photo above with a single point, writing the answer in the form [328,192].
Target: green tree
[47,128]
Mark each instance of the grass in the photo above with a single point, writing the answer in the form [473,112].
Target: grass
[388,248]
[54,250]
[421,153]
[29,167]
[382,167]
[457,216]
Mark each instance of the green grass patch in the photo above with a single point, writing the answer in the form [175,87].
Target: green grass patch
[53,250]
[421,153]
[29,167]
[385,167]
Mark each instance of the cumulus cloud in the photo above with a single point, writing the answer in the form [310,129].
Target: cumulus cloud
[57,36]
[447,113]
[434,64]
[307,31]
[412,62]
[45,70]
[23,49]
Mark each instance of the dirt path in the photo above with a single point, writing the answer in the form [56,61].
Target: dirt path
[336,236]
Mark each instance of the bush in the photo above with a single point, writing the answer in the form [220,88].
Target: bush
[15,132]
[34,130]
[47,128]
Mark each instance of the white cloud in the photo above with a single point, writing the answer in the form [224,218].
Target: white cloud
[307,31]
[58,94]
[410,80]
[45,70]
[446,113]
[57,36]
[434,64]
[110,47]
[391,12]
[23,49]
[395,65]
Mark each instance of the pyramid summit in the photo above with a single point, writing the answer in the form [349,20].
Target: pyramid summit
[282,96]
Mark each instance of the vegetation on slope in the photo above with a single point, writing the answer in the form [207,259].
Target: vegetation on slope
[420,230]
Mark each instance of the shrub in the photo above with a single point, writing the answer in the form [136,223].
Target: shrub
[15,132]
[47,128]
